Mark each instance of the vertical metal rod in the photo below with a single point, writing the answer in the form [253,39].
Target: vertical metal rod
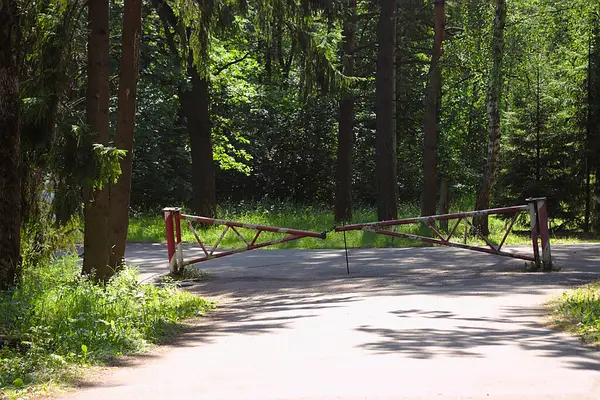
[346,248]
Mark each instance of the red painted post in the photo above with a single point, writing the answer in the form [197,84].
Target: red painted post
[177,217]
[168,213]
[542,212]
[178,248]
[541,230]
[534,231]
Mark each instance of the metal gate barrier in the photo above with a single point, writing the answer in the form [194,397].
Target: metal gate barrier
[173,218]
[536,207]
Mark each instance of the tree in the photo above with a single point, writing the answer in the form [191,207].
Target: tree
[97,202]
[494,96]
[592,209]
[195,98]
[432,107]
[10,131]
[385,140]
[343,194]
[196,108]
[126,108]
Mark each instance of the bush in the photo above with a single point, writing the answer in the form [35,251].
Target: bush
[56,318]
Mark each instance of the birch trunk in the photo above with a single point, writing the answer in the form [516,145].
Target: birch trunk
[494,96]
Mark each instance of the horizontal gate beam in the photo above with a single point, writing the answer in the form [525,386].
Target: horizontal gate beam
[431,218]
[234,224]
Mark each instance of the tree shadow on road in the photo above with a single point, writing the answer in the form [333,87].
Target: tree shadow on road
[517,326]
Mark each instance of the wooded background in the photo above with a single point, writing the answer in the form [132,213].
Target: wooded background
[331,103]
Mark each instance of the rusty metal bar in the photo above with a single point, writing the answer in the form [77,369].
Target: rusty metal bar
[197,237]
[490,244]
[438,234]
[408,221]
[219,240]
[240,236]
[452,244]
[211,221]
[253,247]
[255,238]
[512,222]
[454,229]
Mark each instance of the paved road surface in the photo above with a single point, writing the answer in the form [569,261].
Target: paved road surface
[417,323]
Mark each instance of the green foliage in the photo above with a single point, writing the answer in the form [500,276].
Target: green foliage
[107,162]
[56,319]
[578,310]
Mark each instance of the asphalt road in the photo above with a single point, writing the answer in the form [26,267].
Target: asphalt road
[415,323]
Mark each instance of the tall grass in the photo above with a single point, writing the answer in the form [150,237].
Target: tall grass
[150,228]
[55,319]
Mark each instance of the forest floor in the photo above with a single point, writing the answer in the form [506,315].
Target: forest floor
[414,323]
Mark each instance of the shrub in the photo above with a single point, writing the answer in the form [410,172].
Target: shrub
[55,318]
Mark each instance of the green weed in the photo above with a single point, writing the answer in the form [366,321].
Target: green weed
[55,319]
[578,311]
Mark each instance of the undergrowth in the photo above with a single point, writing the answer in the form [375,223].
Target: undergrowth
[578,311]
[55,319]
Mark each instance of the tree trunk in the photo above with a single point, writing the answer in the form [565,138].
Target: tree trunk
[96,240]
[593,153]
[538,129]
[343,193]
[444,203]
[430,119]
[588,149]
[196,109]
[10,134]
[493,113]
[128,77]
[385,137]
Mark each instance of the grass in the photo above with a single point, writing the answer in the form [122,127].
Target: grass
[578,311]
[55,322]
[150,228]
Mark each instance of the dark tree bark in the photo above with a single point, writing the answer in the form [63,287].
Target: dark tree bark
[494,96]
[10,133]
[385,141]
[128,77]
[96,236]
[444,203]
[593,133]
[588,149]
[430,119]
[196,104]
[343,192]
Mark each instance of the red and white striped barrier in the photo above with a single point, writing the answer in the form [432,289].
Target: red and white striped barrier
[173,218]
[536,207]
[539,230]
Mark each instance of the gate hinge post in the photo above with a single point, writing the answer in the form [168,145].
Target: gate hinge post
[538,208]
